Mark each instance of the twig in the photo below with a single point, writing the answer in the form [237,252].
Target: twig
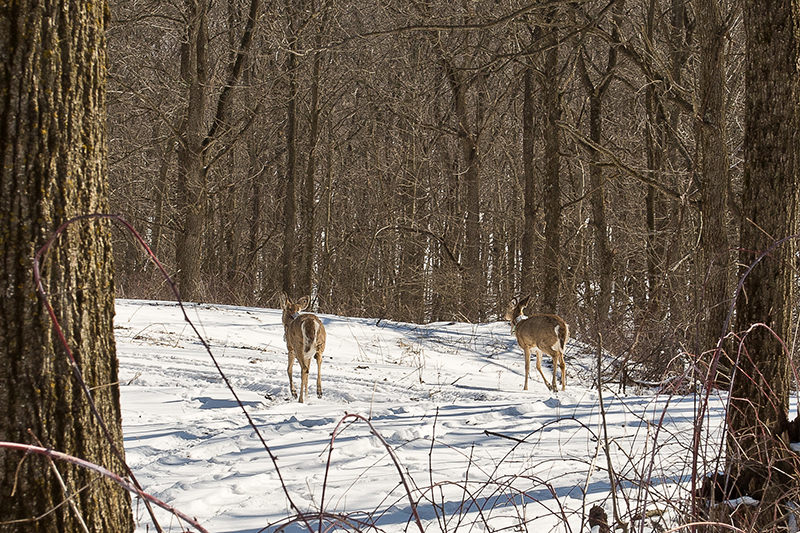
[37,262]
[53,454]
[69,497]
[611,474]
[391,453]
[77,371]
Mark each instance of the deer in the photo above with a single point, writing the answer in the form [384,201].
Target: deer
[540,333]
[305,338]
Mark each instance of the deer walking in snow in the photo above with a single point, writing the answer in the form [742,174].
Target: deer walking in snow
[305,338]
[540,333]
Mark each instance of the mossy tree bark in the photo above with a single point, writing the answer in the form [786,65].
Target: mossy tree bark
[53,144]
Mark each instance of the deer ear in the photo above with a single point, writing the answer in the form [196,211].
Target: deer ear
[303,302]
[284,299]
[524,301]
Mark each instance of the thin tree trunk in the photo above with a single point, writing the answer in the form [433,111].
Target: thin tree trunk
[162,186]
[710,134]
[290,197]
[309,202]
[191,194]
[603,256]
[472,290]
[532,198]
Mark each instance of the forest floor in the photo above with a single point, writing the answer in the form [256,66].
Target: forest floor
[450,435]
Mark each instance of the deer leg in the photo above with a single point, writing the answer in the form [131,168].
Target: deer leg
[527,366]
[539,367]
[563,366]
[319,374]
[303,379]
[289,370]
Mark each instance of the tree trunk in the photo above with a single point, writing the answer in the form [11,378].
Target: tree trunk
[309,200]
[191,193]
[161,197]
[472,290]
[289,197]
[551,195]
[710,136]
[602,248]
[532,198]
[761,381]
[53,143]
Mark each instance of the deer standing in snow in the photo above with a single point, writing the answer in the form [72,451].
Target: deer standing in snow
[540,333]
[305,338]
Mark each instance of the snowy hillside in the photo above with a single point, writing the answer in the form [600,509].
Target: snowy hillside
[476,452]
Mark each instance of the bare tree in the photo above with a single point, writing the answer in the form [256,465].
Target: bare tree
[597,78]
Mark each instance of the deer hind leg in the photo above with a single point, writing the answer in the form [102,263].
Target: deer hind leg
[304,364]
[527,366]
[289,371]
[539,367]
[563,366]
[318,356]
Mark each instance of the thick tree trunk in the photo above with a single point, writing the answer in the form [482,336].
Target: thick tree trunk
[762,377]
[53,145]
[769,201]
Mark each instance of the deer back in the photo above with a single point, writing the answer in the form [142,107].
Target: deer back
[548,333]
[304,332]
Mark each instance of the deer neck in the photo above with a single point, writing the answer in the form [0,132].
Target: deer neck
[288,319]
[519,318]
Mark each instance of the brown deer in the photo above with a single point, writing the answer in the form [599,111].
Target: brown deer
[540,333]
[305,338]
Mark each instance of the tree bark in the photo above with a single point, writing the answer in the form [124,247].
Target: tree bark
[191,187]
[532,198]
[309,200]
[54,147]
[761,381]
[551,194]
[710,136]
[290,196]
[472,292]
[602,247]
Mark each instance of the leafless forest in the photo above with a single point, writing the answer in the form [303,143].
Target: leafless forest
[429,161]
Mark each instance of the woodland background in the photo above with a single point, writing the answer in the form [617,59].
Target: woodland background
[428,161]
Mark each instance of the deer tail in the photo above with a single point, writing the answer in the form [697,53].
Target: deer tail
[563,335]
[310,338]
[562,332]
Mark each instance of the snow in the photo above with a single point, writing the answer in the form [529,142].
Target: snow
[433,414]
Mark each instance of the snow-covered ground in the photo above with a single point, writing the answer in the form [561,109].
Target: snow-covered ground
[470,450]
